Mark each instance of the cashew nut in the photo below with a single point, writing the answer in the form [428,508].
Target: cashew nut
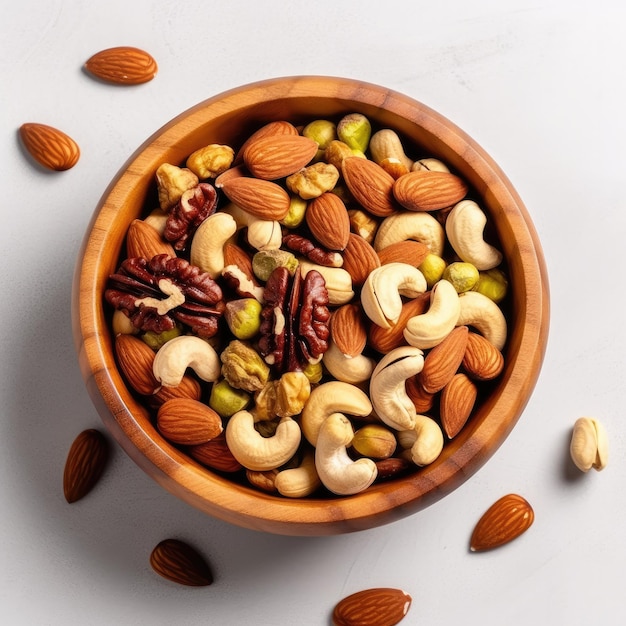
[464,226]
[338,281]
[383,288]
[387,386]
[332,397]
[185,351]
[432,327]
[420,226]
[386,144]
[256,452]
[207,245]
[484,315]
[589,447]
[262,234]
[425,440]
[337,471]
[301,481]
[348,369]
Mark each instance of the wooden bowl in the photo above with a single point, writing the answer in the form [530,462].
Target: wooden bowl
[228,118]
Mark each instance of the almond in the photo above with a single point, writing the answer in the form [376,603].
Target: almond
[122,65]
[442,362]
[457,402]
[262,198]
[382,606]
[392,467]
[177,561]
[328,220]
[386,339]
[49,146]
[236,255]
[359,259]
[135,359]
[278,156]
[279,127]
[370,185]
[188,422]
[422,400]
[409,251]
[505,520]
[143,240]
[189,388]
[425,190]
[85,463]
[215,454]
[348,330]
[482,360]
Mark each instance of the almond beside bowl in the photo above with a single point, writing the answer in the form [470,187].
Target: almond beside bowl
[228,119]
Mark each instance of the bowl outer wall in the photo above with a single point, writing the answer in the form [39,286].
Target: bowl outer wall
[228,118]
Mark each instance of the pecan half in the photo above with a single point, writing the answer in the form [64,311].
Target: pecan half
[157,293]
[194,206]
[294,320]
[312,251]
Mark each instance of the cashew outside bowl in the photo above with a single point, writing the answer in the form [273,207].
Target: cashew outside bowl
[589,447]
[186,351]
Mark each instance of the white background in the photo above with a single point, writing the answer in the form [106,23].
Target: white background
[540,85]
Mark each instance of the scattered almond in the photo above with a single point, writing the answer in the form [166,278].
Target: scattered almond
[504,520]
[122,65]
[381,606]
[49,146]
[177,561]
[85,463]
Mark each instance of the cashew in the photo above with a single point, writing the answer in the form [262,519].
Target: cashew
[464,226]
[262,234]
[331,397]
[420,226]
[425,440]
[432,327]
[387,386]
[348,369]
[589,447]
[386,144]
[207,245]
[484,315]
[383,288]
[301,481]
[256,452]
[337,471]
[338,281]
[174,357]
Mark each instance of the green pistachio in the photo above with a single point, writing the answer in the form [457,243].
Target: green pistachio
[314,372]
[374,441]
[432,267]
[265,262]
[227,400]
[355,130]
[463,276]
[295,215]
[156,340]
[243,367]
[320,131]
[243,317]
[492,283]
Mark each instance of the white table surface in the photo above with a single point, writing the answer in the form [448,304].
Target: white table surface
[540,85]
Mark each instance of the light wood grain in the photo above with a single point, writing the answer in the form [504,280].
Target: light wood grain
[229,118]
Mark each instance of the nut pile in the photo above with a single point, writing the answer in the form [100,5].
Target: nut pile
[313,310]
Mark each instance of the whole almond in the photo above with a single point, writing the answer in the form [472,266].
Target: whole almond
[408,251]
[178,562]
[135,359]
[49,146]
[188,422]
[189,388]
[86,460]
[280,127]
[359,259]
[424,190]
[392,467]
[123,65]
[442,362]
[482,360]
[328,220]
[215,454]
[505,520]
[457,402]
[383,606]
[143,240]
[370,185]
[422,400]
[262,198]
[277,156]
[348,330]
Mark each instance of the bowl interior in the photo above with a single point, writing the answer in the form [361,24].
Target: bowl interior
[229,118]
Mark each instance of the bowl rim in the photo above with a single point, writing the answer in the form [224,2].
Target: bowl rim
[248,507]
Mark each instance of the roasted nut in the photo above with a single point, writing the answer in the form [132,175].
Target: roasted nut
[292,391]
[243,367]
[314,180]
[210,161]
[172,182]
